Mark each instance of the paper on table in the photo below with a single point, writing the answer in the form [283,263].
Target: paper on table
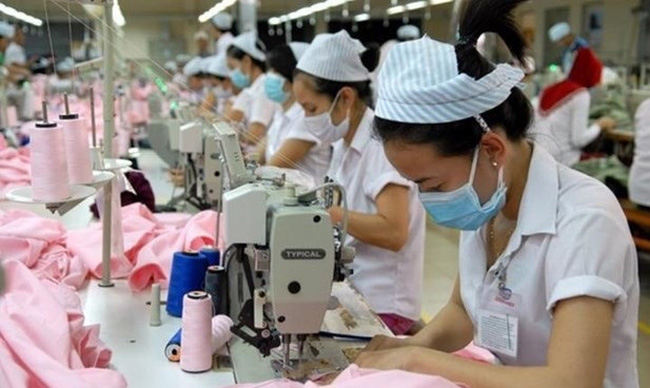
[354,316]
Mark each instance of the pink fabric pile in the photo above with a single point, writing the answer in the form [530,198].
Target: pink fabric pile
[43,340]
[14,167]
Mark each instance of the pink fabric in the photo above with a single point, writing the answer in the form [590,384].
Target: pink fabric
[39,244]
[154,260]
[43,342]
[475,353]
[396,323]
[355,377]
[14,168]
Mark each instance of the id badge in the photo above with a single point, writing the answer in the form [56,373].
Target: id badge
[498,321]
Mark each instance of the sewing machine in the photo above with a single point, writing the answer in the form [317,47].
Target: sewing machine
[283,256]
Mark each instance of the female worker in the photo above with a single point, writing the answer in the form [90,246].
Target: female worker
[217,80]
[564,110]
[386,222]
[193,73]
[246,59]
[548,271]
[288,145]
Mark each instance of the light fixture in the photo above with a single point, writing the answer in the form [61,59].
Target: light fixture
[437,2]
[118,16]
[362,17]
[14,13]
[219,7]
[306,11]
[416,5]
[396,9]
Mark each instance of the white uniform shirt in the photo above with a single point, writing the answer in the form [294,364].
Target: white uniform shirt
[15,54]
[571,240]
[288,125]
[254,103]
[565,131]
[392,281]
[640,172]
[222,44]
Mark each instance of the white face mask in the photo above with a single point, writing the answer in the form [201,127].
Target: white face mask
[322,127]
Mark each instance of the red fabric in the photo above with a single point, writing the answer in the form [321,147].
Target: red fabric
[396,323]
[586,73]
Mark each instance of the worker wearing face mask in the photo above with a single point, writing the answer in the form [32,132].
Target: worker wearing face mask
[246,59]
[548,278]
[386,222]
[217,80]
[288,145]
[194,76]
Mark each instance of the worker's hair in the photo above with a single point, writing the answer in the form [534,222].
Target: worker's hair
[239,54]
[514,115]
[369,59]
[282,60]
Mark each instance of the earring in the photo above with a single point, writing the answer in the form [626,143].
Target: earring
[495,164]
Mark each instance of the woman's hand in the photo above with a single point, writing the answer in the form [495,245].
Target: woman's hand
[336,214]
[397,358]
[382,342]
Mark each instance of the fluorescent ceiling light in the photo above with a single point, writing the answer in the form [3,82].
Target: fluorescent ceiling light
[118,16]
[396,9]
[14,13]
[362,17]
[416,5]
[437,2]
[305,11]
[219,7]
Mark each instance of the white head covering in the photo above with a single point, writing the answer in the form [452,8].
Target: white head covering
[6,30]
[218,66]
[408,32]
[419,83]
[335,57]
[246,43]
[182,59]
[559,32]
[193,67]
[65,66]
[171,66]
[222,21]
[298,49]
[201,35]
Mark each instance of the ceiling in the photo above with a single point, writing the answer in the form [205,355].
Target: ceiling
[159,9]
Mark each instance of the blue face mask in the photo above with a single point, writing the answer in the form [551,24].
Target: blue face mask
[239,79]
[461,208]
[274,88]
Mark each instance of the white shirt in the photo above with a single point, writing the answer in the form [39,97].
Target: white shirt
[565,131]
[640,172]
[572,240]
[277,132]
[254,103]
[15,54]
[391,281]
[222,44]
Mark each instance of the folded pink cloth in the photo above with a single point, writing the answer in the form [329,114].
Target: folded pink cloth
[43,342]
[14,169]
[39,243]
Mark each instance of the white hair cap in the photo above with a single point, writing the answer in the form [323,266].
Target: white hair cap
[298,49]
[335,57]
[171,66]
[65,66]
[559,32]
[217,66]
[247,42]
[7,30]
[201,35]
[193,67]
[408,32]
[222,21]
[420,84]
